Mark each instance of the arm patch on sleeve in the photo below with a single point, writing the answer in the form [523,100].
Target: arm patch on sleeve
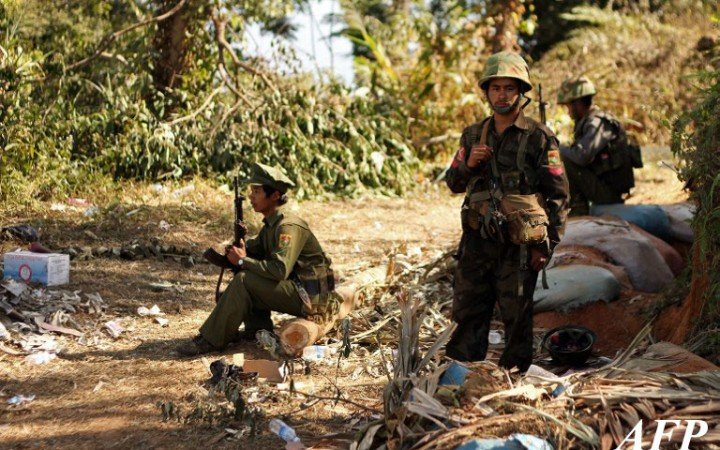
[285,241]
[555,166]
[459,157]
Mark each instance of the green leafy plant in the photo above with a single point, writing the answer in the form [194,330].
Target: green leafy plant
[696,141]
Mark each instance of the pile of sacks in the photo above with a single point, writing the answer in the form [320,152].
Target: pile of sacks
[621,247]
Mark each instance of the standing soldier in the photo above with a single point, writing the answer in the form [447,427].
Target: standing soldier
[282,269]
[600,161]
[510,170]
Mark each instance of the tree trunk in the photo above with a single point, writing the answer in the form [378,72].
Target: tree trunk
[401,7]
[507,15]
[172,43]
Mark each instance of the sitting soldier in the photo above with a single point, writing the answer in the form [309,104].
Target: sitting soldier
[282,269]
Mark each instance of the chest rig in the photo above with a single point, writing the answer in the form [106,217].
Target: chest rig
[500,212]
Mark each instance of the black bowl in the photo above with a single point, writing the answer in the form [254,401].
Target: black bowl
[569,345]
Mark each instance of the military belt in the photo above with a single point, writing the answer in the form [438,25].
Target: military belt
[317,287]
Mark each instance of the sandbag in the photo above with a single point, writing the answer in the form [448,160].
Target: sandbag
[587,256]
[572,287]
[672,258]
[646,268]
[680,215]
[651,218]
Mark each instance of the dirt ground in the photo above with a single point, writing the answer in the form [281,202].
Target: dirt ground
[107,395]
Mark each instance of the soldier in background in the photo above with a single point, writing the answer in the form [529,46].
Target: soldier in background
[600,161]
[516,193]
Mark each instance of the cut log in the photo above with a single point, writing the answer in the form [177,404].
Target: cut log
[296,334]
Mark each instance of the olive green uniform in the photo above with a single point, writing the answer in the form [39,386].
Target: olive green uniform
[489,269]
[586,162]
[285,270]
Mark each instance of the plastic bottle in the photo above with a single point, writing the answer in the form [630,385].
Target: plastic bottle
[286,432]
[494,337]
[317,352]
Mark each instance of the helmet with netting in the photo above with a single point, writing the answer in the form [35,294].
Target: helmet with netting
[575,88]
[506,65]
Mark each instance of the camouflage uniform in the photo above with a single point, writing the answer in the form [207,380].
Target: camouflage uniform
[285,270]
[491,270]
[585,158]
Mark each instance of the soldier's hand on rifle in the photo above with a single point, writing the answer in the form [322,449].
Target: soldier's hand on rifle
[235,254]
[537,259]
[478,155]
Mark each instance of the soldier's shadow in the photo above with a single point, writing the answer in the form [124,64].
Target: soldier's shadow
[166,350]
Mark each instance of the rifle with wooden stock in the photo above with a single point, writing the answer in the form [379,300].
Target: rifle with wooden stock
[239,232]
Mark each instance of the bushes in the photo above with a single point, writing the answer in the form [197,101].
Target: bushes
[696,141]
[110,117]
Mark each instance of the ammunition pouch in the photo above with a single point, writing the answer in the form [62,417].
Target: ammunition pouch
[322,283]
[480,214]
[316,290]
[527,220]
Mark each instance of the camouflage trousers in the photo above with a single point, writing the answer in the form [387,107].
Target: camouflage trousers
[586,186]
[487,273]
[249,299]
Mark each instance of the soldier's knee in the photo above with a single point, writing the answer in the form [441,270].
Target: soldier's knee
[238,282]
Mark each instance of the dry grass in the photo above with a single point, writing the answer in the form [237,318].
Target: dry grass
[106,396]
[641,67]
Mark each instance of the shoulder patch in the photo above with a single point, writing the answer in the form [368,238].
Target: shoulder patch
[284,241]
[459,157]
[554,157]
[555,165]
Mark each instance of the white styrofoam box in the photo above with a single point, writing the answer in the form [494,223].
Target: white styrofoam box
[50,269]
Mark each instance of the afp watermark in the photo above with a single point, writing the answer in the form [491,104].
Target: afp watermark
[634,439]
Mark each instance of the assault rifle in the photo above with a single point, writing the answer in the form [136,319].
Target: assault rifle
[543,105]
[239,229]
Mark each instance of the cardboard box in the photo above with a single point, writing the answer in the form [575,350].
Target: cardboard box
[50,269]
[272,371]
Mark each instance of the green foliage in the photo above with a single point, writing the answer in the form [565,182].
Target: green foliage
[64,126]
[423,64]
[696,142]
[327,140]
[67,122]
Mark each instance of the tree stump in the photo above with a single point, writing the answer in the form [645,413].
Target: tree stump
[296,334]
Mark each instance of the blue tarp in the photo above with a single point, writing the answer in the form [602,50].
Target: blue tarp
[514,442]
[651,218]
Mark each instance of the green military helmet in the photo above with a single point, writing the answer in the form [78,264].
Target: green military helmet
[506,65]
[575,88]
[271,176]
